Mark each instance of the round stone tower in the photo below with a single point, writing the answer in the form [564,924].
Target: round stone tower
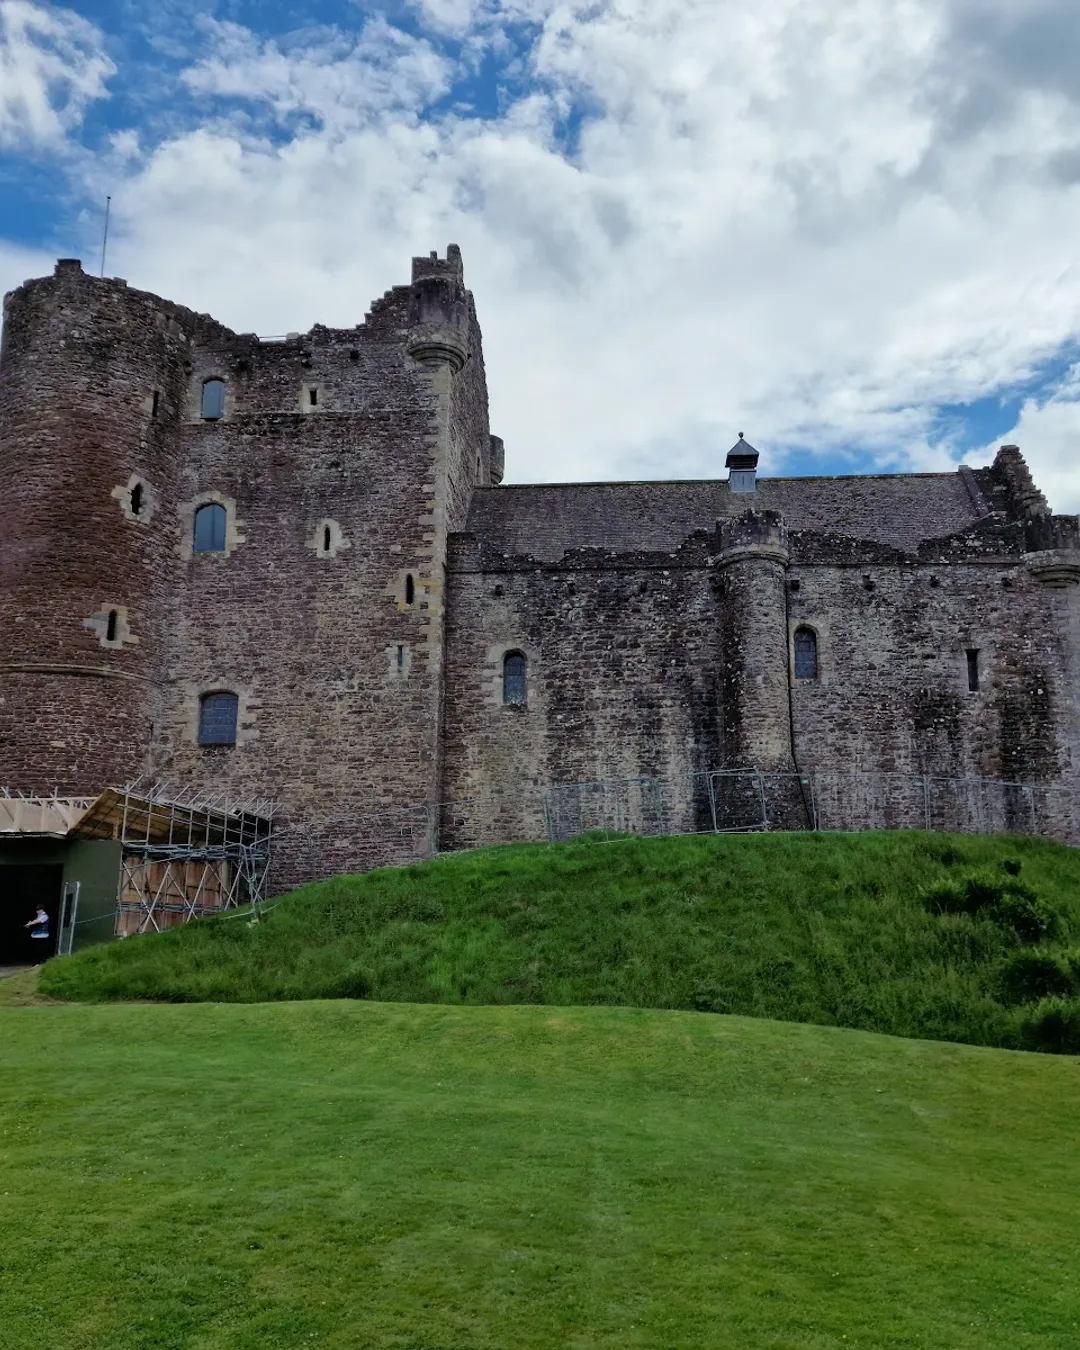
[751,563]
[92,380]
[754,690]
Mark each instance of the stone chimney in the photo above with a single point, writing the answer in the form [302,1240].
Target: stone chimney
[741,464]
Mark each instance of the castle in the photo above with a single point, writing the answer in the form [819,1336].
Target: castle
[286,568]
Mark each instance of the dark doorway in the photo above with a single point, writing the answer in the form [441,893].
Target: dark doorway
[22,889]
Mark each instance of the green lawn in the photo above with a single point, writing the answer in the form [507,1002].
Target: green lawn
[859,930]
[363,1176]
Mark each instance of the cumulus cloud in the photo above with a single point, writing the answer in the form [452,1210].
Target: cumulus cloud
[815,222]
[52,64]
[341,81]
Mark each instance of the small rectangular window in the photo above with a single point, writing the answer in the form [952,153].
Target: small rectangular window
[217,719]
[313,397]
[973,669]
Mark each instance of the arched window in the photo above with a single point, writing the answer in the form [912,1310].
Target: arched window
[213,400]
[217,719]
[210,523]
[515,678]
[806,662]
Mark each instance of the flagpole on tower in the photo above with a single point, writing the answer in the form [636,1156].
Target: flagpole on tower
[105,236]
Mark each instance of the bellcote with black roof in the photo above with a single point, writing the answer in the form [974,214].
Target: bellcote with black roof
[742,461]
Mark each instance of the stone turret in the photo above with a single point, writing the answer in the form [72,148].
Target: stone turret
[497,466]
[1052,549]
[751,565]
[754,534]
[439,311]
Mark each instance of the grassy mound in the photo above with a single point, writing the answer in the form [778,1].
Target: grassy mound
[958,938]
[391,1177]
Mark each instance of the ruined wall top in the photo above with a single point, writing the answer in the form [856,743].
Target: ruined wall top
[1025,499]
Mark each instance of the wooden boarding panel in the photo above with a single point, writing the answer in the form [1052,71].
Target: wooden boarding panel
[162,894]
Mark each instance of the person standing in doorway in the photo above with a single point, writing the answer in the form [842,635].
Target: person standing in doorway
[39,924]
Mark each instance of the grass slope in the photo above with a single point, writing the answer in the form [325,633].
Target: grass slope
[360,1176]
[824,928]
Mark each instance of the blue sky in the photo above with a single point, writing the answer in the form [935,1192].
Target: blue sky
[849,231]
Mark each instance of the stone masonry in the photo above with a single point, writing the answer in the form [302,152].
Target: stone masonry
[374,576]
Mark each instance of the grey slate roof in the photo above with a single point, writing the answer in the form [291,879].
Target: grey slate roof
[545,521]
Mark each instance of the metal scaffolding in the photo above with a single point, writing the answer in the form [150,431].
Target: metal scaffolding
[184,853]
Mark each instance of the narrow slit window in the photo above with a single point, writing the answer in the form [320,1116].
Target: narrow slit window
[155,402]
[137,499]
[211,521]
[326,538]
[217,718]
[213,400]
[400,657]
[515,678]
[410,589]
[973,669]
[806,654]
[110,626]
[313,398]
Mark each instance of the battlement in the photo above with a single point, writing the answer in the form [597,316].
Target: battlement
[450,267]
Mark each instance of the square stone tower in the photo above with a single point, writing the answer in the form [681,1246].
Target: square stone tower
[195,512]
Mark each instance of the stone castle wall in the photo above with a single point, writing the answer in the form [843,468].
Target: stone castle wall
[618,686]
[679,663]
[374,580]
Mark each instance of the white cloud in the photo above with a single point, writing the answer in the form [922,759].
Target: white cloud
[811,220]
[52,64]
[341,81]
[20,264]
